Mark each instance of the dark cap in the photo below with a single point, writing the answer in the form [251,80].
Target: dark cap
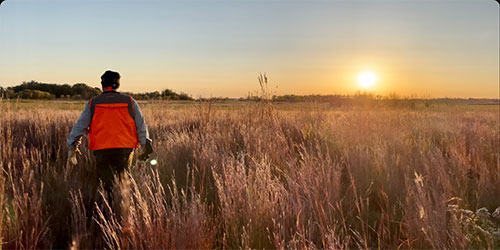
[110,79]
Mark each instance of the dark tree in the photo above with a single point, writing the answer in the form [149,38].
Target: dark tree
[84,91]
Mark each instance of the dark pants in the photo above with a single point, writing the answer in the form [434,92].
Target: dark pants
[111,163]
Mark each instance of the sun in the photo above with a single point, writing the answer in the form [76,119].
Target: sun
[366,79]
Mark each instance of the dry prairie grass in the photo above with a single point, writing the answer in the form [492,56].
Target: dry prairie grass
[259,176]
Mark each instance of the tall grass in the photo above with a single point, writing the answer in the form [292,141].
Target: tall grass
[258,176]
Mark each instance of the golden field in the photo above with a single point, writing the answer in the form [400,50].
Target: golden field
[259,175]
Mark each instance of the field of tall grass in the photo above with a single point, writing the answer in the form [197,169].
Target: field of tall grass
[259,175]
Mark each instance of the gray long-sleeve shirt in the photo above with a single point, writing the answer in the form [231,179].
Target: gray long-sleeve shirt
[81,127]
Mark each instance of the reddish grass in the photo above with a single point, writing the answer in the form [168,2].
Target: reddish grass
[258,176]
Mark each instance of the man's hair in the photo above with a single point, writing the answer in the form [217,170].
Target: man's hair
[110,79]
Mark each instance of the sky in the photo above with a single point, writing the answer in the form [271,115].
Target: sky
[218,48]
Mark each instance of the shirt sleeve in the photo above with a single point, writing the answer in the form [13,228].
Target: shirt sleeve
[140,124]
[81,127]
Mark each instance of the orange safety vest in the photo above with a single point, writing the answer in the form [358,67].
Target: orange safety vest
[113,124]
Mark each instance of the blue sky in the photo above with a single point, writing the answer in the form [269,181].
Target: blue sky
[217,48]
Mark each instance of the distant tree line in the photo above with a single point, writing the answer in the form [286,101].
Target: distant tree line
[37,90]
[79,91]
[370,99]
[166,94]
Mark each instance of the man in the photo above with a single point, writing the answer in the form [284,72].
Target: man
[115,126]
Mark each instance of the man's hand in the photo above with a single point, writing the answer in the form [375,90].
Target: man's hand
[146,151]
[72,152]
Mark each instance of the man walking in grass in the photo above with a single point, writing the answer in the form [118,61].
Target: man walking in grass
[115,127]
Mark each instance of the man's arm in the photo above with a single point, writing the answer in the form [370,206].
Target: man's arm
[140,124]
[81,128]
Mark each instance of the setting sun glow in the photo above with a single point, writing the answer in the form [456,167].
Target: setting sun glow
[366,79]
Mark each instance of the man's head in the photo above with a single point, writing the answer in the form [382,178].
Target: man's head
[110,79]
